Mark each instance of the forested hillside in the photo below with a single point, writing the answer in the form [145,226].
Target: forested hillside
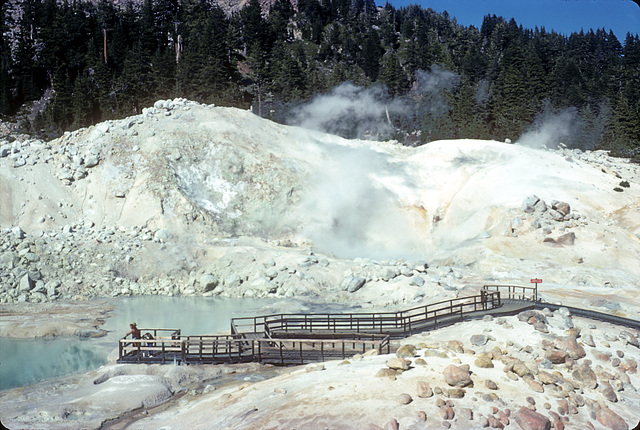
[88,62]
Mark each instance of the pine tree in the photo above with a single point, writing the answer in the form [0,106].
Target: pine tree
[371,54]
[5,62]
[393,75]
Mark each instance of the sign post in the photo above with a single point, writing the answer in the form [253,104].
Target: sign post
[536,281]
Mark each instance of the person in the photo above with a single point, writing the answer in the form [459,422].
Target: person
[134,332]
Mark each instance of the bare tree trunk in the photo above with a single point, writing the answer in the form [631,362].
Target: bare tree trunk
[104,44]
[178,48]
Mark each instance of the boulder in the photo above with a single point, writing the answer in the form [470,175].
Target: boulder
[531,420]
[92,160]
[455,346]
[573,349]
[26,283]
[588,340]
[556,356]
[532,316]
[447,413]
[398,363]
[563,208]
[209,281]
[479,339]
[490,384]
[386,373]
[404,399]
[567,239]
[611,420]
[557,216]
[417,281]
[424,390]
[484,361]
[406,351]
[352,283]
[534,385]
[456,393]
[547,378]
[528,205]
[435,353]
[585,376]
[540,206]
[629,338]
[457,376]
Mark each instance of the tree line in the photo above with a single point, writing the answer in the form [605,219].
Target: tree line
[98,61]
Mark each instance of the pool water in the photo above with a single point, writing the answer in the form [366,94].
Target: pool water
[27,361]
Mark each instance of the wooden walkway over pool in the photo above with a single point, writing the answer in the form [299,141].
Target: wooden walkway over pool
[291,339]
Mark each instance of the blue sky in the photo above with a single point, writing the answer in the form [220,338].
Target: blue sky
[562,16]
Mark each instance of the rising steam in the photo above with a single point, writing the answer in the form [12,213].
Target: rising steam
[551,128]
[353,213]
[350,111]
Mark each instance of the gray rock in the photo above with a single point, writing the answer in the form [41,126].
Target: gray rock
[30,256]
[389,274]
[557,216]
[516,222]
[307,261]
[588,340]
[563,208]
[103,127]
[529,203]
[232,281]
[352,283]
[209,281]
[39,287]
[479,339]
[52,288]
[5,150]
[566,239]
[417,281]
[629,338]
[271,273]
[541,206]
[26,283]
[162,235]
[17,232]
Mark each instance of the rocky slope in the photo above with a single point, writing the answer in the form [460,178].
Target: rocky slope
[194,199]
[539,370]
[188,199]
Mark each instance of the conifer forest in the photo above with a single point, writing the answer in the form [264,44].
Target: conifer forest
[70,64]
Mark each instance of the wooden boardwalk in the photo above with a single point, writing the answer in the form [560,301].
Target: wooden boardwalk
[287,339]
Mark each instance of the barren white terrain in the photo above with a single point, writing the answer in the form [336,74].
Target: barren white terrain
[189,199]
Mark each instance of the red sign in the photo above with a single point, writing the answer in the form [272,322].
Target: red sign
[536,281]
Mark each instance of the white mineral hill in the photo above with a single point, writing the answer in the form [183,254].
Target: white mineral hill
[194,175]
[201,200]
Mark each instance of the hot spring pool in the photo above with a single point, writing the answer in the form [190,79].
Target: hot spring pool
[27,361]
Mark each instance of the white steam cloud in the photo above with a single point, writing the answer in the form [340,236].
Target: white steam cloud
[431,88]
[353,213]
[350,111]
[551,128]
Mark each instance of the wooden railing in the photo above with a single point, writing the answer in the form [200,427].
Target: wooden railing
[164,340]
[397,324]
[514,292]
[301,338]
[229,349]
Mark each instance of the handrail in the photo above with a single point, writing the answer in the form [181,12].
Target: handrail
[514,292]
[292,338]
[381,322]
